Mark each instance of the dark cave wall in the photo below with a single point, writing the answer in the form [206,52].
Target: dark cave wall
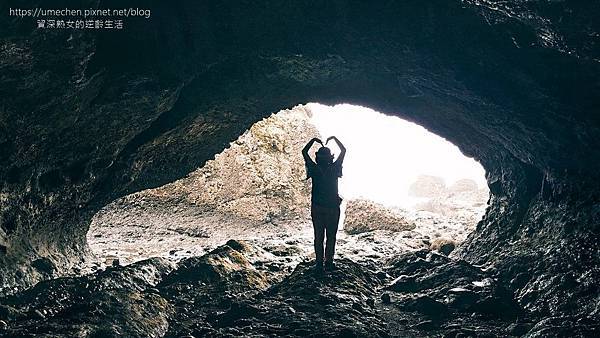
[540,236]
[86,117]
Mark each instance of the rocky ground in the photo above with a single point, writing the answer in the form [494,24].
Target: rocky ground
[240,289]
[140,226]
[388,282]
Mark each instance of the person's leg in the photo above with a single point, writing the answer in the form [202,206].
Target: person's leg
[319,231]
[331,227]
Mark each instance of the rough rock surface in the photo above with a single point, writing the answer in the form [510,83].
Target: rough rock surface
[119,301]
[259,178]
[363,215]
[512,83]
[228,293]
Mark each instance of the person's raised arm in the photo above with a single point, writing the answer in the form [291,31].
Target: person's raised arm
[307,148]
[342,154]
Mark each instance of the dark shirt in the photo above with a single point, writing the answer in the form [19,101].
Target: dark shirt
[325,183]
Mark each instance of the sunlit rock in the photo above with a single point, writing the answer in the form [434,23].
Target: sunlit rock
[363,215]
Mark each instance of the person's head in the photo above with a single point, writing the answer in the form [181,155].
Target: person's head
[324,156]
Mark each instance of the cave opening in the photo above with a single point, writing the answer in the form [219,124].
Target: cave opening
[403,188]
[390,154]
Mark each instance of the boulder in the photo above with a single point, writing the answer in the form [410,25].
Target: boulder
[227,266]
[363,216]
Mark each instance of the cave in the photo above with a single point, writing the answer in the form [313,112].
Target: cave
[90,116]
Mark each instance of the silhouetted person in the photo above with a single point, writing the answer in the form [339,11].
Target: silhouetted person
[325,201]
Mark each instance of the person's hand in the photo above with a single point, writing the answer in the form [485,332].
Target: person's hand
[316,139]
[330,138]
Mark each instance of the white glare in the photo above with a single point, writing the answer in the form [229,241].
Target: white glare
[385,154]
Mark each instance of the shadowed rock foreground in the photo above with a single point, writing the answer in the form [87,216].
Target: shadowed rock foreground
[233,291]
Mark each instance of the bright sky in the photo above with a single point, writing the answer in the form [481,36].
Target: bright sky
[385,154]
